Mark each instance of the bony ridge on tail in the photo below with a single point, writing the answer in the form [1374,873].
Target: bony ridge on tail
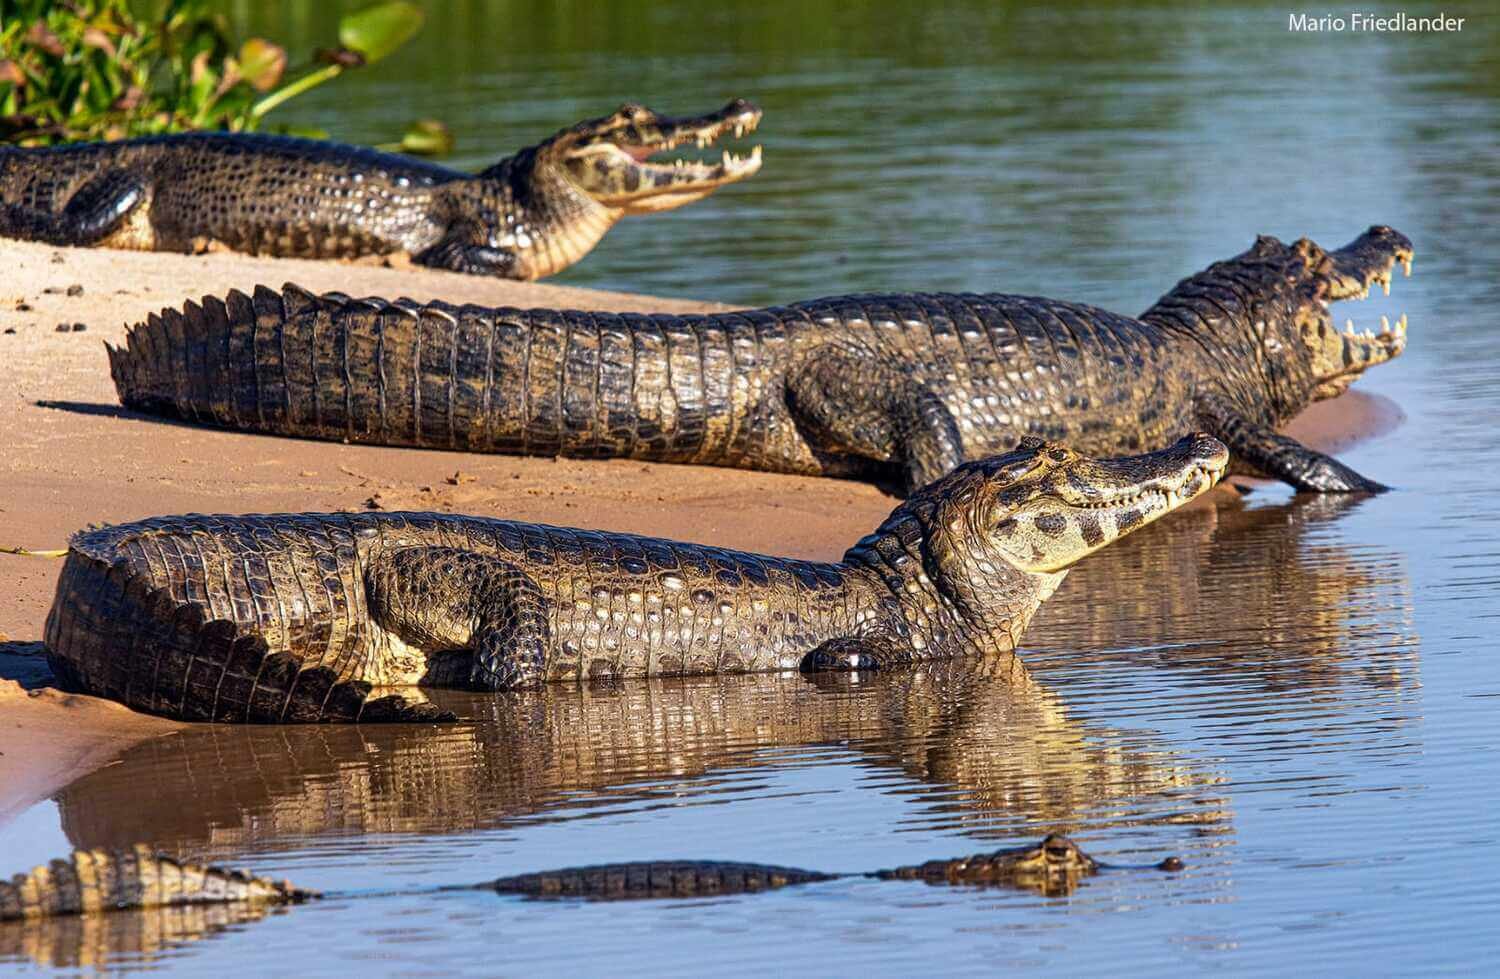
[92,881]
[531,215]
[898,388]
[298,617]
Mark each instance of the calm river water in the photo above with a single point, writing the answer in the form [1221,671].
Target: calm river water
[1298,696]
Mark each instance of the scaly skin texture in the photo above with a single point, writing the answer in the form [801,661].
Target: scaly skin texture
[52,928]
[900,387]
[97,880]
[528,216]
[139,880]
[296,617]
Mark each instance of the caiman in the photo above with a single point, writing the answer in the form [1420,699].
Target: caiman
[295,617]
[899,387]
[99,880]
[528,216]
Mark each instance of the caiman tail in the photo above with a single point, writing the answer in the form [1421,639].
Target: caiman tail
[435,375]
[99,880]
[125,626]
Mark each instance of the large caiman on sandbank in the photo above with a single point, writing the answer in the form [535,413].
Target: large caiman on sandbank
[528,216]
[297,617]
[897,387]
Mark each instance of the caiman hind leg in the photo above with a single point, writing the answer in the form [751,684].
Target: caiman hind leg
[849,401]
[1279,456]
[95,211]
[440,599]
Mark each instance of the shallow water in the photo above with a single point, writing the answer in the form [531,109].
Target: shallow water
[1296,696]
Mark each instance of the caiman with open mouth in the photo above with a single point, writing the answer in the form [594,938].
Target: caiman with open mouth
[296,617]
[896,387]
[528,216]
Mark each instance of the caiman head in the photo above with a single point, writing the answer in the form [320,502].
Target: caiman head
[1052,867]
[610,158]
[996,537]
[1273,302]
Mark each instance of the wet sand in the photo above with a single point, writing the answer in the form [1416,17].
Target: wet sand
[73,458]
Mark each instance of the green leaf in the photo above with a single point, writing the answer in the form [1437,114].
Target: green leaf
[427,137]
[306,132]
[377,31]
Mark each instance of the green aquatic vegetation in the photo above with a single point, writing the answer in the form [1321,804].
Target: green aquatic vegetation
[74,70]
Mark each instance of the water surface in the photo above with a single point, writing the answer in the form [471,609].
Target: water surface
[1295,695]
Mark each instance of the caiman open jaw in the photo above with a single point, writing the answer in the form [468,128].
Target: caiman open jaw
[1339,358]
[1067,506]
[609,158]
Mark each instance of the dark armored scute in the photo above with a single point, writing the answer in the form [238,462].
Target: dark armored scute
[899,386]
[658,878]
[528,216]
[298,617]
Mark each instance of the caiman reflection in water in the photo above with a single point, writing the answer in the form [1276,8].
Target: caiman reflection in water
[98,940]
[1266,598]
[999,746]
[991,751]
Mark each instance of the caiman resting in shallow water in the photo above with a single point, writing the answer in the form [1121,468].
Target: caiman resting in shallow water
[528,216]
[296,617]
[903,386]
[100,880]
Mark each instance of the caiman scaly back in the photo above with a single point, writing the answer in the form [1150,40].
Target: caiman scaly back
[899,387]
[298,617]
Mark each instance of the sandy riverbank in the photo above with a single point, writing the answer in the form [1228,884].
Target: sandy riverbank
[71,458]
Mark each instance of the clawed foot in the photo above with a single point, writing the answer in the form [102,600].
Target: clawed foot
[396,708]
[841,657]
[1331,476]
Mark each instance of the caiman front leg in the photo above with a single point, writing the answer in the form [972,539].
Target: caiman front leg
[94,212]
[445,598]
[851,653]
[1278,456]
[465,250]
[849,401]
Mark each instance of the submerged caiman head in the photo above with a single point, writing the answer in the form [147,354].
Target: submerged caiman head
[609,159]
[1052,867]
[998,535]
[1281,295]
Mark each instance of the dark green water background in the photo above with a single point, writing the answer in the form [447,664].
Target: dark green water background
[1297,697]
